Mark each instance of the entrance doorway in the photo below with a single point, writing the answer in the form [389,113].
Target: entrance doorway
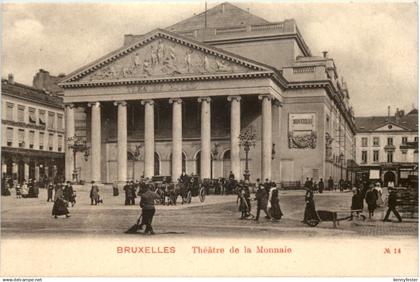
[388,177]
[226,164]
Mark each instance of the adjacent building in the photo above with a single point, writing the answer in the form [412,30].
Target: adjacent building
[32,132]
[178,99]
[387,147]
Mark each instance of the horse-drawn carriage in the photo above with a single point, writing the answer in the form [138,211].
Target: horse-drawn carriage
[169,191]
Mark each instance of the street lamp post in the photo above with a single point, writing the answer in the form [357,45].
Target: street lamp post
[341,165]
[77,144]
[247,139]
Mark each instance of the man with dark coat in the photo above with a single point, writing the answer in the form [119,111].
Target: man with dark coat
[50,190]
[371,201]
[94,194]
[330,184]
[147,204]
[392,203]
[231,176]
[320,186]
[128,192]
[133,193]
[261,197]
[267,186]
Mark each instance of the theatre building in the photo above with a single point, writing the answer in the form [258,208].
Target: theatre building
[179,98]
[32,132]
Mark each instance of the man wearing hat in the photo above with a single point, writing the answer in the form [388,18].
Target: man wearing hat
[392,203]
[147,204]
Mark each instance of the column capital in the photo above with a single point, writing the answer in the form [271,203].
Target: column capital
[94,104]
[175,100]
[277,103]
[122,103]
[204,99]
[236,98]
[150,102]
[70,105]
[262,97]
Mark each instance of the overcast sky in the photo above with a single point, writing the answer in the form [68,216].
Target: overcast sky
[374,45]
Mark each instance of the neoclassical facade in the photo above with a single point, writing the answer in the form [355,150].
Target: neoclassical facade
[179,98]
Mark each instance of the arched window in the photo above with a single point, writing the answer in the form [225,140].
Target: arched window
[157,164]
[226,164]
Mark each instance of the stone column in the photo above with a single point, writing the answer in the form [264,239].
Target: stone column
[235,130]
[122,141]
[149,138]
[205,168]
[276,140]
[37,171]
[95,147]
[176,138]
[266,136]
[26,171]
[70,132]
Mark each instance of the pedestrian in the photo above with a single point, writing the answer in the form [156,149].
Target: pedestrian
[392,203]
[310,213]
[330,184]
[267,186]
[307,184]
[94,194]
[133,193]
[274,204]
[50,190]
[370,199]
[378,191]
[243,205]
[18,191]
[147,204]
[24,189]
[262,200]
[231,176]
[356,203]
[60,205]
[341,184]
[321,186]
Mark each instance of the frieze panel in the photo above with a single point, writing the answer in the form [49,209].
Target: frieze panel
[163,87]
[161,58]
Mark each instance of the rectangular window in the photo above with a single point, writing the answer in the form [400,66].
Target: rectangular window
[364,157]
[32,116]
[9,111]
[60,143]
[50,141]
[390,141]
[31,139]
[21,113]
[375,141]
[21,138]
[41,117]
[364,141]
[404,140]
[51,117]
[41,140]
[375,156]
[9,136]
[390,157]
[59,122]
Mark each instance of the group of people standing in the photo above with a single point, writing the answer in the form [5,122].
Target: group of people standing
[63,197]
[267,198]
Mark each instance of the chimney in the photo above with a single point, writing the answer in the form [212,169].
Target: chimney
[324,53]
[10,78]
[397,116]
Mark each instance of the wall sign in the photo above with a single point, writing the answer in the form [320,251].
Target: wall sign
[302,131]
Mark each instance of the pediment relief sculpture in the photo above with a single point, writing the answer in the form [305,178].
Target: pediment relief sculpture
[162,57]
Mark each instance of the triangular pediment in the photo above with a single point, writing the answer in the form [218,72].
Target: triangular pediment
[161,54]
[390,126]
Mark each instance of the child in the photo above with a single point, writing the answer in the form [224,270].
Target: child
[243,205]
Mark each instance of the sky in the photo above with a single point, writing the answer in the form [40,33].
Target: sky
[374,45]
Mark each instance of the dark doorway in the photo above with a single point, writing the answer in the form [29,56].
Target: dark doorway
[389,176]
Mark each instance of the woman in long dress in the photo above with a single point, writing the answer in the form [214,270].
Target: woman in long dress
[274,204]
[60,206]
[310,211]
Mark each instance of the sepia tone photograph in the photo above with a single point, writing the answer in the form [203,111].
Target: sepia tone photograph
[205,138]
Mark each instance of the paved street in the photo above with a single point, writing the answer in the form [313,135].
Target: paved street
[218,216]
